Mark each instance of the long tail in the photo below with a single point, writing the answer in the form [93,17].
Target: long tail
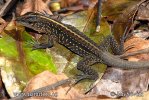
[114,61]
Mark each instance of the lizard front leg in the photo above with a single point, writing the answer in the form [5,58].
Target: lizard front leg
[88,72]
[48,44]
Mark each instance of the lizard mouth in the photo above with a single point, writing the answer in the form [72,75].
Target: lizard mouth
[23,21]
[19,19]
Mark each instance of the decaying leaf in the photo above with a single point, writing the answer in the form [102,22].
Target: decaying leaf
[34,6]
[137,43]
[67,3]
[8,77]
[18,62]
[46,78]
[143,12]
[126,21]
[113,8]
[118,82]
[76,5]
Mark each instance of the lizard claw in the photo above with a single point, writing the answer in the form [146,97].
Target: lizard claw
[77,79]
[81,77]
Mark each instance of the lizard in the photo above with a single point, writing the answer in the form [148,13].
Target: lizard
[78,43]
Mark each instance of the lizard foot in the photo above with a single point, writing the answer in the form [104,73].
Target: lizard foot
[41,46]
[77,79]
[81,77]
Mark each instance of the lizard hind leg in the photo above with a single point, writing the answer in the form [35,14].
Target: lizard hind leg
[110,42]
[88,72]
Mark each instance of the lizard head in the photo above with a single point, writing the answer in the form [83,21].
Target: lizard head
[31,20]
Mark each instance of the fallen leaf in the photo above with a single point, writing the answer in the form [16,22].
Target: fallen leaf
[17,60]
[46,78]
[77,5]
[113,8]
[143,13]
[126,22]
[137,43]
[124,83]
[67,3]
[34,6]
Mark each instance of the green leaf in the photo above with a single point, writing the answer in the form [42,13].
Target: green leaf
[19,61]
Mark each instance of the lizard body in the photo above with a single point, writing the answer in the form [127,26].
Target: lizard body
[77,42]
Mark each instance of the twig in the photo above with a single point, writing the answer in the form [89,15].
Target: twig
[98,20]
[43,89]
[135,12]
[7,7]
[134,53]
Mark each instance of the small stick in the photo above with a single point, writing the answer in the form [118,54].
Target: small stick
[143,51]
[98,20]
[7,7]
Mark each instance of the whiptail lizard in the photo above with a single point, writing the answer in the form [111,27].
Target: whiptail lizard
[77,42]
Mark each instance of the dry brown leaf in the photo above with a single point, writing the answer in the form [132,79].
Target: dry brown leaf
[138,44]
[67,3]
[73,4]
[47,78]
[34,6]
[127,20]
[143,12]
[118,82]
